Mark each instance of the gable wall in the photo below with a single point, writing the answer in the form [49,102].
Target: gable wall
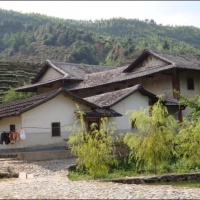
[133,102]
[50,74]
[151,61]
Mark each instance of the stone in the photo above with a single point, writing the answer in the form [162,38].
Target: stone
[29,176]
[22,175]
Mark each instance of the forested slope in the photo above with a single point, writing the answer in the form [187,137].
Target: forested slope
[35,38]
[27,40]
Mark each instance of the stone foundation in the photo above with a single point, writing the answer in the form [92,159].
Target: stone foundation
[157,179]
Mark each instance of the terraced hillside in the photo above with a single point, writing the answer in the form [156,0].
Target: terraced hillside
[16,74]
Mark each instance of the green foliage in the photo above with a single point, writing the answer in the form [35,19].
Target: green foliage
[192,103]
[152,141]
[33,37]
[12,95]
[94,149]
[188,139]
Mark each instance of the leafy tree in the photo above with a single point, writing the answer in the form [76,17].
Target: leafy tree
[94,148]
[12,95]
[188,139]
[192,103]
[152,141]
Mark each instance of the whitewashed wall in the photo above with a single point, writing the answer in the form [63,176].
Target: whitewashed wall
[50,74]
[134,102]
[59,109]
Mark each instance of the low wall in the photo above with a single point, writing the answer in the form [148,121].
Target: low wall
[157,179]
[45,155]
[39,155]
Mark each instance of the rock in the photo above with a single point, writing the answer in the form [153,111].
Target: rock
[22,175]
[29,176]
[4,174]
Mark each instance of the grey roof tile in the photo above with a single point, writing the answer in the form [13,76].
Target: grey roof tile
[17,107]
[110,98]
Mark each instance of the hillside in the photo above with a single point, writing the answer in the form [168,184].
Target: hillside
[35,38]
[27,40]
[16,74]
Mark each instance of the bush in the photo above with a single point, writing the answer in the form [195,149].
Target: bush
[94,149]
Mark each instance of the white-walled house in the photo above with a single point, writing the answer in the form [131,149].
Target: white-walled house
[99,91]
[47,119]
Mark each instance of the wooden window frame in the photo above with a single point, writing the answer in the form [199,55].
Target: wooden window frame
[55,129]
[12,127]
[190,83]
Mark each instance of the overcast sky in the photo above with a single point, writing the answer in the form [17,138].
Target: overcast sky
[162,12]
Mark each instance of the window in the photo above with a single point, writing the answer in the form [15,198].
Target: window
[55,127]
[190,84]
[12,127]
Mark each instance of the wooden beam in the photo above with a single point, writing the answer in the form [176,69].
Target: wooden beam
[176,86]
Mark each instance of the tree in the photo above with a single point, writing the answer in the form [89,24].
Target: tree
[12,95]
[188,139]
[93,149]
[152,141]
[192,103]
[166,45]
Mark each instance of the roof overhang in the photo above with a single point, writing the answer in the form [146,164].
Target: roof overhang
[100,113]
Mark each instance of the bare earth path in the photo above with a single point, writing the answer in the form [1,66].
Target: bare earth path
[50,182]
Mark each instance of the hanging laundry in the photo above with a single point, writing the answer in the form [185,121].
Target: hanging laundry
[22,134]
[1,138]
[13,137]
[5,138]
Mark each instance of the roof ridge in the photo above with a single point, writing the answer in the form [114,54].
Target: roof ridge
[79,64]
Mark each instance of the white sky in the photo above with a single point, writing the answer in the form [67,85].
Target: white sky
[162,12]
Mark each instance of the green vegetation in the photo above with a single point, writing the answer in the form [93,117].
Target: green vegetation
[158,144]
[191,183]
[93,148]
[16,74]
[12,95]
[35,38]
[27,40]
[152,142]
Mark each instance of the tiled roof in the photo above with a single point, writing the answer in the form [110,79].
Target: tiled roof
[130,72]
[110,98]
[100,112]
[17,107]
[174,60]
[79,70]
[172,102]
[35,85]
[98,79]
[71,70]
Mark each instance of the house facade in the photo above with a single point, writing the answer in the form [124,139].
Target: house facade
[99,91]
